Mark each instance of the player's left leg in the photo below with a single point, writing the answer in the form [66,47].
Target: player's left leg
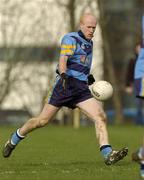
[94,110]
[138,157]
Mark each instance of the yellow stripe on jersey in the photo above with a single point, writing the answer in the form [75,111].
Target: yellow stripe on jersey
[67,51]
[65,46]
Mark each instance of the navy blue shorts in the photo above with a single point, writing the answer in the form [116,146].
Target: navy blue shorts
[76,91]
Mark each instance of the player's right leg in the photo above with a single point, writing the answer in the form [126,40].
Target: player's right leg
[45,116]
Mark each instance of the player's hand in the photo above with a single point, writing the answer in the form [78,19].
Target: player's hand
[64,80]
[129,90]
[91,79]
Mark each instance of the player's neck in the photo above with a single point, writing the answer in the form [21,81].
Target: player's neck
[81,34]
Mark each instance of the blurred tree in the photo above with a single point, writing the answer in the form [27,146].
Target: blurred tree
[140,5]
[108,65]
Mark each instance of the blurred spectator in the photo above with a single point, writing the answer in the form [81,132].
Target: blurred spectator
[138,156]
[130,86]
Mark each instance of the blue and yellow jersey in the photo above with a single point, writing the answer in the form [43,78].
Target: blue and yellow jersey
[79,52]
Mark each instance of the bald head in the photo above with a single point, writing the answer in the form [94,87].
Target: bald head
[86,17]
[88,24]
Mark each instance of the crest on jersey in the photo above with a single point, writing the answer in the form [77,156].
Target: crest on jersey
[83,58]
[83,46]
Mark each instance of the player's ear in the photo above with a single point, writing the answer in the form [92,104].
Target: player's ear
[81,25]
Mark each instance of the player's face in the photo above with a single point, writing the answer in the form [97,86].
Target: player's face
[88,26]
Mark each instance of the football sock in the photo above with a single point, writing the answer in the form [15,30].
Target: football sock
[16,138]
[142,169]
[106,150]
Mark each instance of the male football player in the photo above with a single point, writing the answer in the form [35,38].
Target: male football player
[71,90]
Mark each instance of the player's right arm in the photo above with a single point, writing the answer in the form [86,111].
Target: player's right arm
[67,49]
[68,46]
[63,64]
[62,70]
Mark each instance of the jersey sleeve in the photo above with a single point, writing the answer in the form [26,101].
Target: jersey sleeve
[68,46]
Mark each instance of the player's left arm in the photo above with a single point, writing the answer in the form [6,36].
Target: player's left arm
[63,64]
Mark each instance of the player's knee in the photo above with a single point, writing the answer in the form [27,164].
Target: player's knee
[104,116]
[42,122]
[37,122]
[101,116]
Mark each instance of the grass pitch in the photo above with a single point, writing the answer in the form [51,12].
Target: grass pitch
[63,153]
